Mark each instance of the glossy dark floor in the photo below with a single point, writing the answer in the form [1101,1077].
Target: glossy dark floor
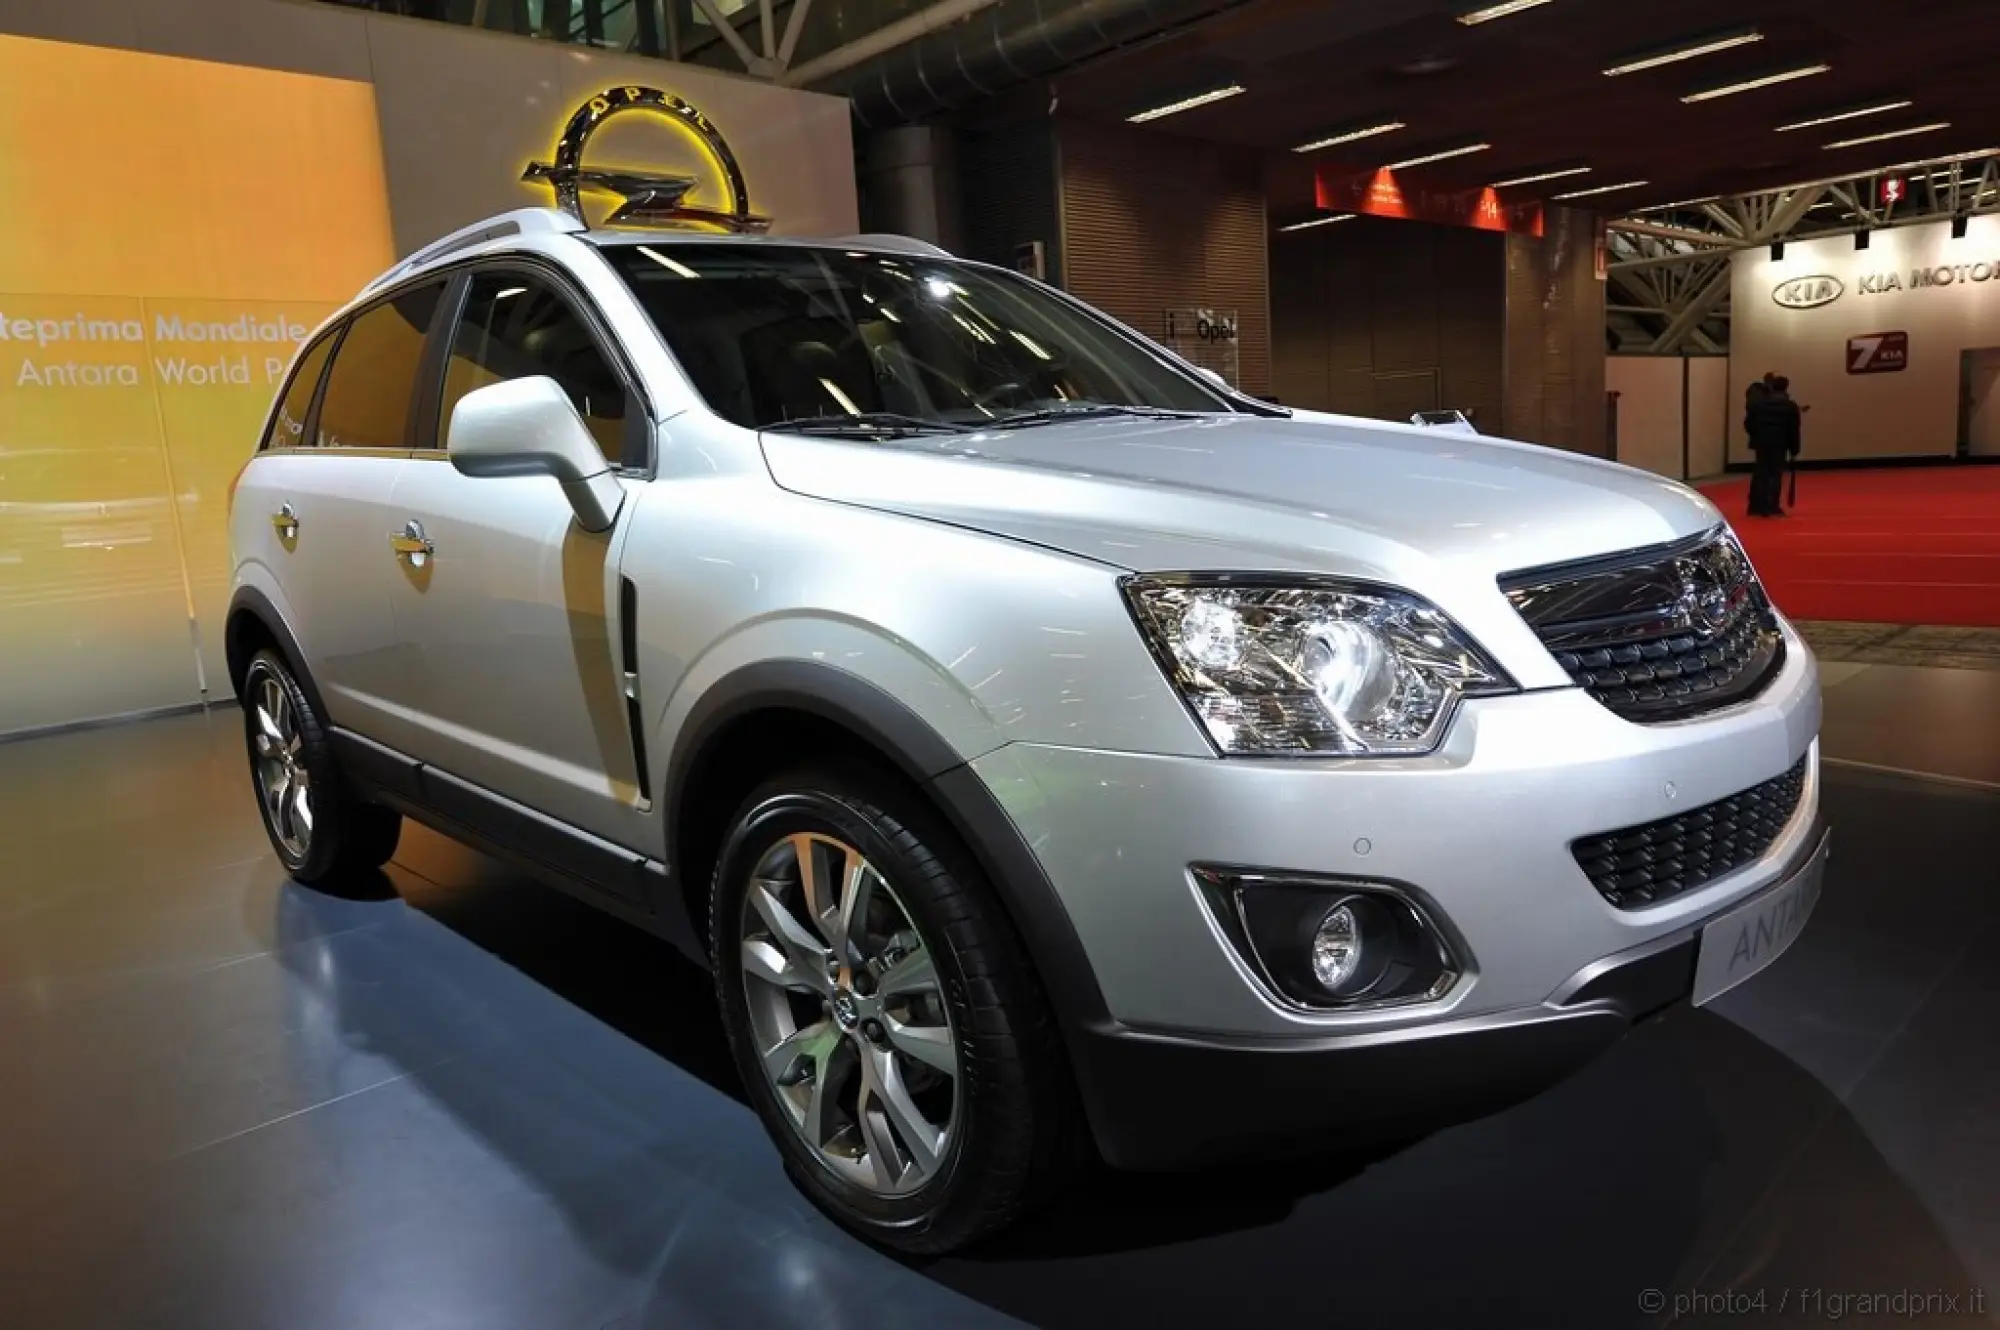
[228,1102]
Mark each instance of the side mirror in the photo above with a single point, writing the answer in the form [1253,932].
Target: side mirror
[527,427]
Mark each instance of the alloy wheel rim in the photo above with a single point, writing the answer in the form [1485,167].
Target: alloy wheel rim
[848,1015]
[284,786]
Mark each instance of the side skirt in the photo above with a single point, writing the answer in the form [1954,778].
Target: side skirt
[622,882]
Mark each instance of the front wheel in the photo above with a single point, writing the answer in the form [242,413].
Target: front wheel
[321,833]
[888,1026]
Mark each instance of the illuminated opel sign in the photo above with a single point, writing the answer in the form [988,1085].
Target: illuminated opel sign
[1808,292]
[647,198]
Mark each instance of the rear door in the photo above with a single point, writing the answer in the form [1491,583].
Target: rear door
[514,608]
[315,510]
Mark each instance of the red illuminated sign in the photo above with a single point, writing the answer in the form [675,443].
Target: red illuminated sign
[1878,353]
[1382,195]
[1894,188]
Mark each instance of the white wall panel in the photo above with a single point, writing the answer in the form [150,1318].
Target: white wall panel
[1708,415]
[1649,411]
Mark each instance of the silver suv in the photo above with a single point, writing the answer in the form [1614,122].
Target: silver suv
[1048,748]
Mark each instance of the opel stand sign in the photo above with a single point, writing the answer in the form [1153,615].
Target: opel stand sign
[647,198]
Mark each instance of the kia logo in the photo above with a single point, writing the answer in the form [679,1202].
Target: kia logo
[1808,292]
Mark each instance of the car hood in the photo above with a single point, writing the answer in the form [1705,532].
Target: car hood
[1319,493]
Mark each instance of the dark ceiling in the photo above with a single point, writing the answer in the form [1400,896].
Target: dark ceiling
[1532,85]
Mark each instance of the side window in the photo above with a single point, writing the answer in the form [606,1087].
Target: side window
[288,425]
[515,325]
[368,395]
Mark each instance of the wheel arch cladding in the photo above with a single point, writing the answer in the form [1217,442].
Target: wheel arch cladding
[253,624]
[820,707]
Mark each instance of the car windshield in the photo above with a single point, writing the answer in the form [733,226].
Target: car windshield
[819,340]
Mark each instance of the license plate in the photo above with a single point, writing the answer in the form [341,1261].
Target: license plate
[1750,937]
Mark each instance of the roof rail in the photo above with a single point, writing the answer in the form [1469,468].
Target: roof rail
[899,244]
[521,221]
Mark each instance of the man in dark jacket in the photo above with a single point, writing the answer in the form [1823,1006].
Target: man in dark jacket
[1771,418]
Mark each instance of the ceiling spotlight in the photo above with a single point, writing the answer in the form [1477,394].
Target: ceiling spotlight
[1188,103]
[1838,116]
[1958,226]
[1537,179]
[1690,52]
[1750,85]
[1601,189]
[1488,13]
[1386,127]
[1466,151]
[1777,251]
[1319,221]
[1892,134]
[1861,239]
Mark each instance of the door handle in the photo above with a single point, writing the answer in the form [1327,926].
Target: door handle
[285,522]
[411,543]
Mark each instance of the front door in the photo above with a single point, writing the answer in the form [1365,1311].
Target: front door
[513,606]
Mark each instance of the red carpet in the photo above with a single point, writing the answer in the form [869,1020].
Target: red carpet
[1917,545]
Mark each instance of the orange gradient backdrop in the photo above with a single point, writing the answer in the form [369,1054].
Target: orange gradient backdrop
[168,229]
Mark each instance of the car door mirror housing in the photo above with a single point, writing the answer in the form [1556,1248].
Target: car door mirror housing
[528,427]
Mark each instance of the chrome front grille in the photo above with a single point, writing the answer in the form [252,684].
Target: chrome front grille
[1657,634]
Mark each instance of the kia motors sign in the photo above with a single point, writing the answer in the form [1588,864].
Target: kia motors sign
[1808,292]
[1878,353]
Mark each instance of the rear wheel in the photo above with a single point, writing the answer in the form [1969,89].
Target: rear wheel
[318,829]
[886,1021]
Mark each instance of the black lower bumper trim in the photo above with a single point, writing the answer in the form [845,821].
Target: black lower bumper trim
[1160,1101]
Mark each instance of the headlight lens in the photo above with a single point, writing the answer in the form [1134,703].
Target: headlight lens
[1311,668]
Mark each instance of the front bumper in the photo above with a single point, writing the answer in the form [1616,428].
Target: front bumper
[1480,831]
[1277,1096]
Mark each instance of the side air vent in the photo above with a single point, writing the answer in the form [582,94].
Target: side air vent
[628,664]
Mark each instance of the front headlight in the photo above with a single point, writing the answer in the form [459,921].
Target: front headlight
[1296,666]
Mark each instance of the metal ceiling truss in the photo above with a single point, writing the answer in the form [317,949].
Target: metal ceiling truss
[767,48]
[1671,268]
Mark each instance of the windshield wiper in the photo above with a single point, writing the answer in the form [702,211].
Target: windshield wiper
[873,424]
[1086,410]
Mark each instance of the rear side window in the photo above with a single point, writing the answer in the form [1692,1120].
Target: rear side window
[374,378]
[288,426]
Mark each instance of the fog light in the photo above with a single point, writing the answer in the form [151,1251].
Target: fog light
[1336,948]
[1331,944]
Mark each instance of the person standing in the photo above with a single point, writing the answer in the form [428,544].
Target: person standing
[1771,418]
[1755,393]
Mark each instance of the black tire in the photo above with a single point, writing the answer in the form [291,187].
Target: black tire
[1016,1139]
[348,839]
